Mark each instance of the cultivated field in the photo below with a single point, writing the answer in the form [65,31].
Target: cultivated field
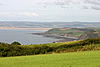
[74,59]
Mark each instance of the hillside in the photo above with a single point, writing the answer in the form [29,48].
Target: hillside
[82,53]
[30,24]
[7,50]
[90,34]
[75,59]
[73,33]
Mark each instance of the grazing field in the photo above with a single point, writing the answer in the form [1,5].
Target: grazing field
[74,59]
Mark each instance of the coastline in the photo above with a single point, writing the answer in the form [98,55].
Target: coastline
[19,28]
[63,39]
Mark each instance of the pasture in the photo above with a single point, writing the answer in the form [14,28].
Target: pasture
[73,59]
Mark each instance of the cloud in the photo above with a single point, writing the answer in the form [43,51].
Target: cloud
[56,2]
[93,2]
[1,4]
[18,14]
[68,2]
[95,7]
[63,2]
[85,7]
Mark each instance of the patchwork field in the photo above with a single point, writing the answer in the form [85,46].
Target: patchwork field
[74,59]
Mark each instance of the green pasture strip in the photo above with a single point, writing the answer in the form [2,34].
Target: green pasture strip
[74,59]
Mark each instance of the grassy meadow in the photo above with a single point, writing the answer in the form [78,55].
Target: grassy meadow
[74,59]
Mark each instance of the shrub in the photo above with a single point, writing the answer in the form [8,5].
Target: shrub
[15,50]
[15,43]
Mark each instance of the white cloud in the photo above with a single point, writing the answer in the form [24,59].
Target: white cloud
[19,14]
[85,7]
[95,7]
[56,2]
[0,4]
[49,9]
[63,2]
[94,2]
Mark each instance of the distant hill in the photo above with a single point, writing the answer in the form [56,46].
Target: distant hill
[74,33]
[90,34]
[31,24]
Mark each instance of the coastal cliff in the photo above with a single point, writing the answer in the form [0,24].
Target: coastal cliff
[71,34]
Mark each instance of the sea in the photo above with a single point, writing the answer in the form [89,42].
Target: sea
[25,37]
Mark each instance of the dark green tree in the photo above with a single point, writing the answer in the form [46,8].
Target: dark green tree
[15,43]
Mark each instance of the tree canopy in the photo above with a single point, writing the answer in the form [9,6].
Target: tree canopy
[15,43]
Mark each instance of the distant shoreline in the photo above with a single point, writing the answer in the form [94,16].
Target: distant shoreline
[63,39]
[18,28]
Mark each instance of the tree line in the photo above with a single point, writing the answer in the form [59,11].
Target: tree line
[16,49]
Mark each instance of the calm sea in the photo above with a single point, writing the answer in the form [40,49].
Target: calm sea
[24,37]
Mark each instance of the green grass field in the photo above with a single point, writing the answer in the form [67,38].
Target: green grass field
[74,59]
[73,31]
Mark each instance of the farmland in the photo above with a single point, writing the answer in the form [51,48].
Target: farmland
[74,59]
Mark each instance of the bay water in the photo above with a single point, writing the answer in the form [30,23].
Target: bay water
[25,37]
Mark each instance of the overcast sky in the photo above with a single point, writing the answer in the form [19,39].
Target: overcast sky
[50,10]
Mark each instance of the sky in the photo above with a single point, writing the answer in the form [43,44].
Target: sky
[50,10]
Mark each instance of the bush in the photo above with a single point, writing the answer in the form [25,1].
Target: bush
[15,50]
[15,43]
